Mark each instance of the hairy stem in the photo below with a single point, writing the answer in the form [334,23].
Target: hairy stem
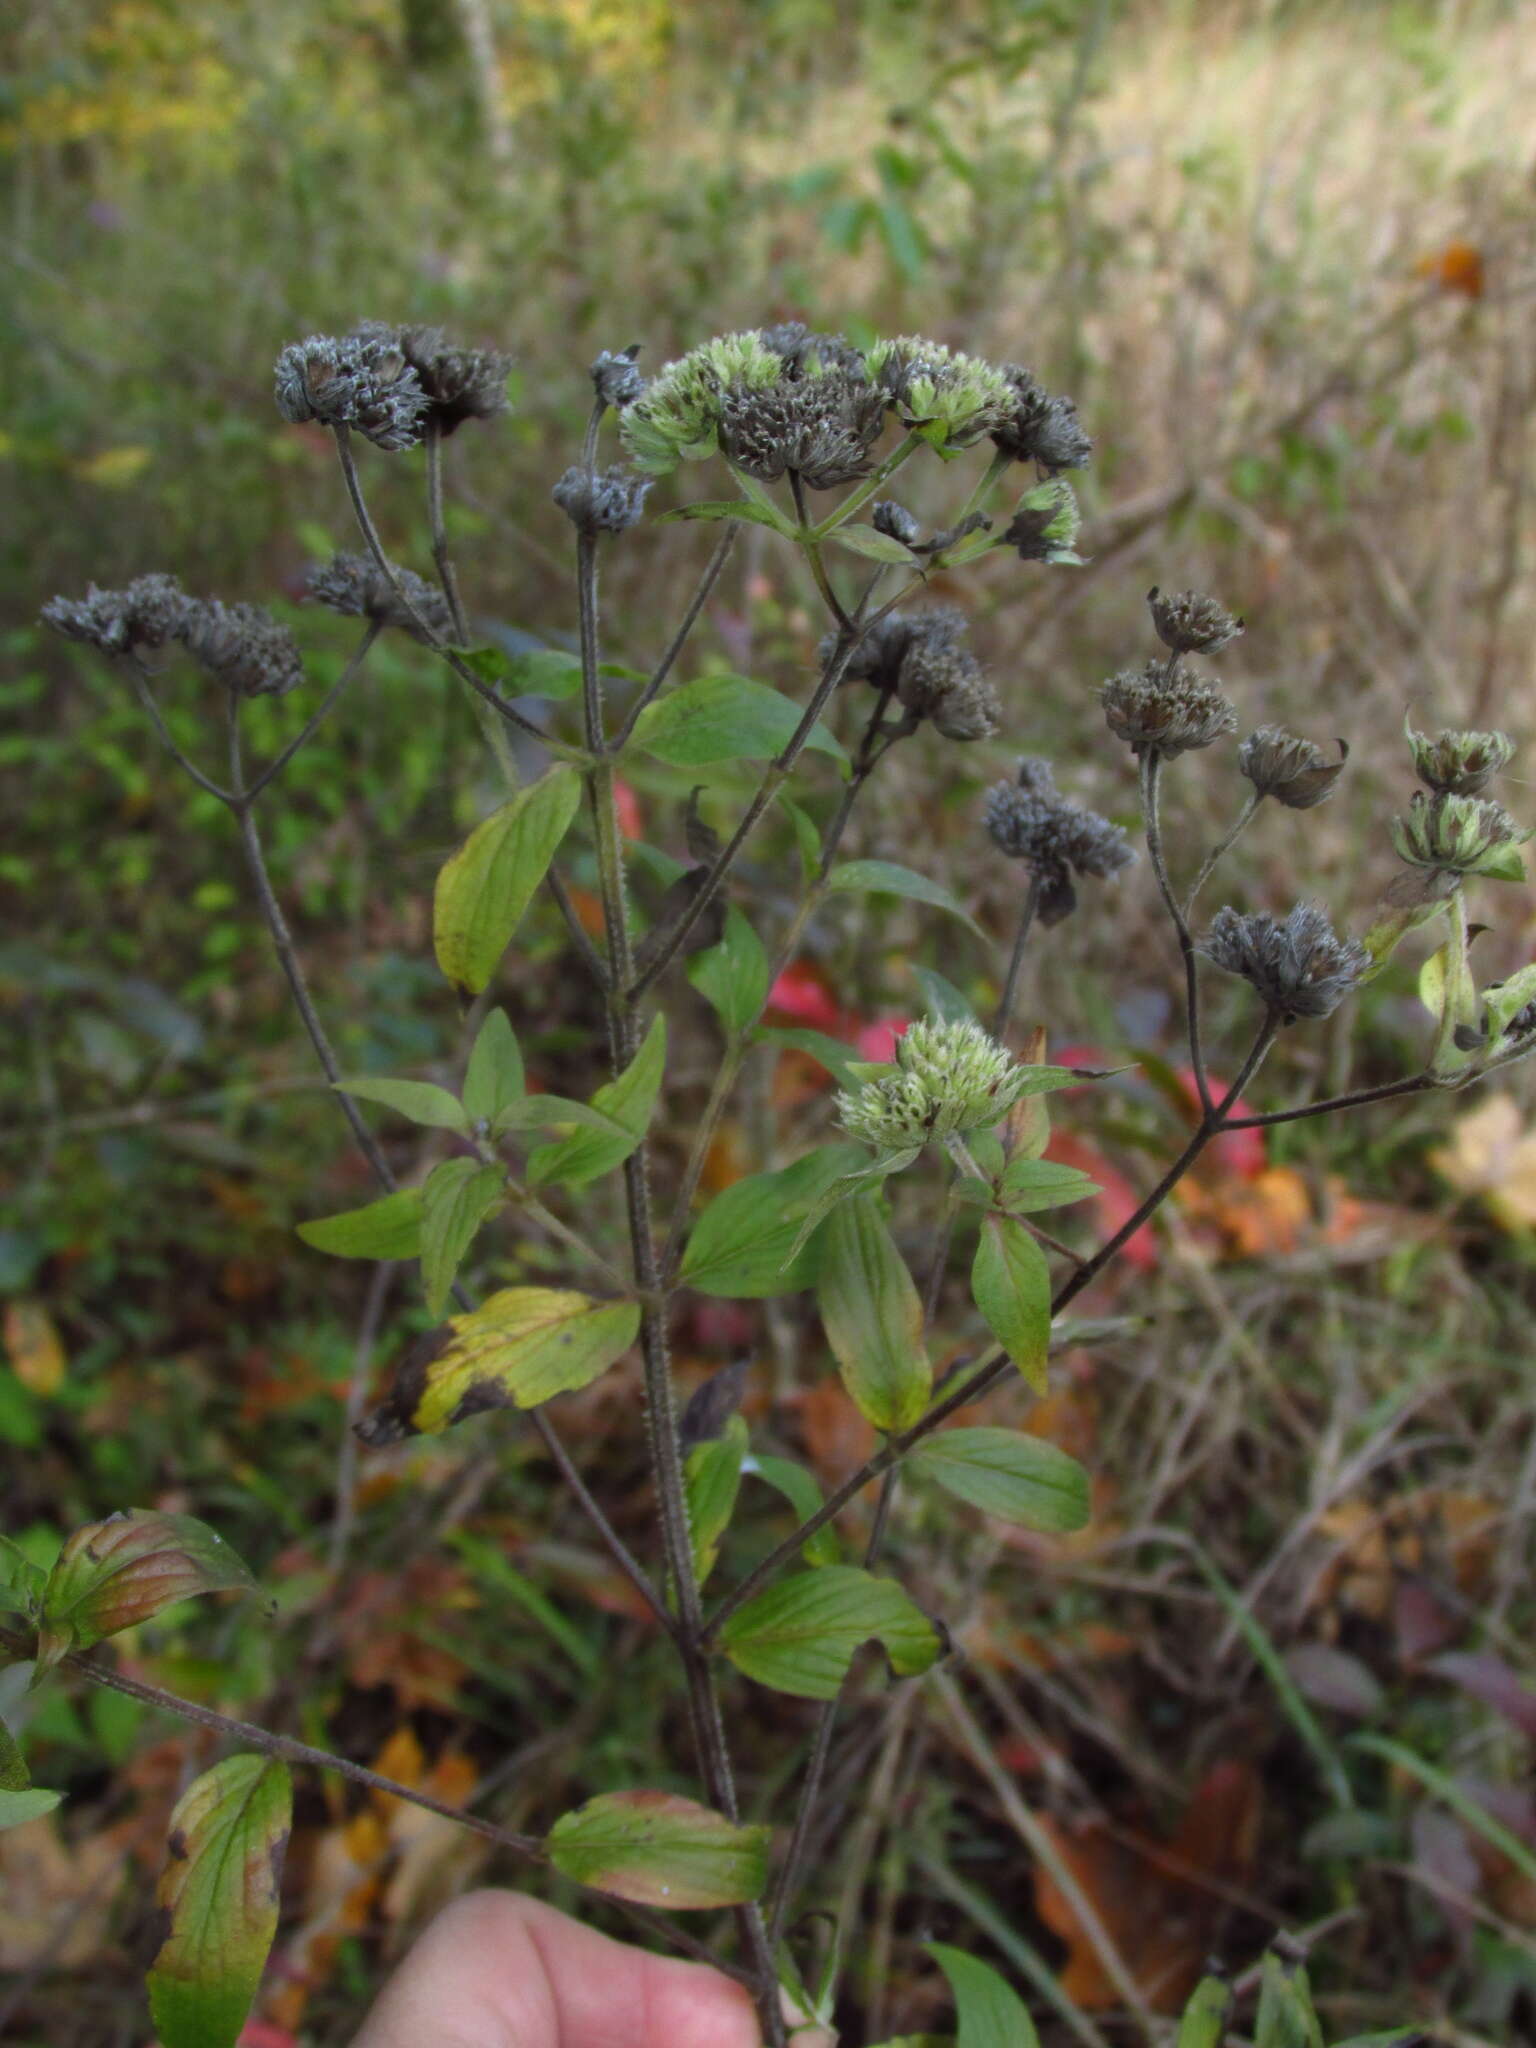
[447,575]
[1151,783]
[1222,847]
[690,618]
[1004,1018]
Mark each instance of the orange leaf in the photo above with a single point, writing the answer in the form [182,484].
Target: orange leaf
[1458,267]
[35,1347]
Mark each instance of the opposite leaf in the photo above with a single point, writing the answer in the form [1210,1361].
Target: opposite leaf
[493,1078]
[519,1348]
[800,1635]
[1005,1473]
[111,1575]
[712,1480]
[484,889]
[991,2014]
[218,1899]
[733,976]
[740,1246]
[723,718]
[458,1196]
[1011,1285]
[660,1849]
[422,1101]
[890,878]
[873,1316]
[387,1229]
[626,1102]
[794,1484]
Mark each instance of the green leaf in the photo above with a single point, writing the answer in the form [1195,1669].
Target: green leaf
[740,1246]
[660,1849]
[484,889]
[1029,1184]
[387,1229]
[1503,863]
[942,999]
[1204,2024]
[867,1180]
[542,672]
[1005,1473]
[873,1316]
[111,1575]
[1286,2017]
[991,2014]
[458,1196]
[807,836]
[724,718]
[800,1635]
[218,1899]
[18,1807]
[731,508]
[538,1112]
[874,545]
[519,1348]
[836,1056]
[799,1488]
[627,1101]
[1508,998]
[21,1581]
[890,878]
[493,1079]
[422,1101]
[711,1482]
[14,1775]
[733,976]
[1011,1285]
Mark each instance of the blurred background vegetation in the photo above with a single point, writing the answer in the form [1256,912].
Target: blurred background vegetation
[1284,255]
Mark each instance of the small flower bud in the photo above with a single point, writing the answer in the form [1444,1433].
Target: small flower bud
[143,617]
[601,503]
[1155,713]
[941,680]
[243,646]
[1458,763]
[1297,965]
[1293,771]
[1030,821]
[1190,623]
[355,586]
[1040,428]
[947,1079]
[361,381]
[895,522]
[615,378]
[1462,835]
[1046,524]
[460,383]
[953,400]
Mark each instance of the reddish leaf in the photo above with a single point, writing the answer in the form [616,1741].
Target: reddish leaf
[1489,1679]
[111,1575]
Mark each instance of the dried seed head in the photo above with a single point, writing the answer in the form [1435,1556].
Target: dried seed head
[1190,623]
[946,1079]
[243,646]
[355,586]
[615,378]
[362,380]
[1158,713]
[1046,524]
[1056,839]
[939,678]
[1298,965]
[1291,770]
[895,522]
[822,427]
[1458,763]
[601,502]
[805,353]
[1040,428]
[460,383]
[1460,835]
[142,617]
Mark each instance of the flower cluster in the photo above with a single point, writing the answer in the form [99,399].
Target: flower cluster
[136,620]
[616,378]
[1297,965]
[355,586]
[1158,712]
[460,383]
[1045,524]
[389,382]
[241,644]
[785,398]
[1459,835]
[1293,771]
[1458,763]
[1031,821]
[921,658]
[604,501]
[1190,623]
[947,1079]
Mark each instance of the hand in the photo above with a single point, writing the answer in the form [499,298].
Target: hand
[499,1971]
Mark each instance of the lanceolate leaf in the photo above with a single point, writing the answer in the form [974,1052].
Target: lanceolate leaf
[541,672]
[1018,1478]
[387,1229]
[800,1635]
[627,1102]
[519,1348]
[799,1488]
[458,1196]
[484,889]
[991,2014]
[493,1079]
[218,1900]
[740,1244]
[712,1480]
[1029,1184]
[19,1806]
[723,718]
[873,1316]
[733,976]
[111,1575]
[1011,1285]
[890,878]
[660,1850]
[422,1101]
[1204,2023]
[836,1056]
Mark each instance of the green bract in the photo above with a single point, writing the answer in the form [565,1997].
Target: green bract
[947,1079]
[1461,835]
[678,417]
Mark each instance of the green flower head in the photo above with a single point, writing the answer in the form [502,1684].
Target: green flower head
[950,399]
[1460,835]
[1458,763]
[947,1079]
[677,417]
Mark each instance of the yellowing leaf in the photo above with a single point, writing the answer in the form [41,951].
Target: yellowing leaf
[661,1850]
[519,1348]
[1492,1154]
[34,1346]
[484,889]
[111,1575]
